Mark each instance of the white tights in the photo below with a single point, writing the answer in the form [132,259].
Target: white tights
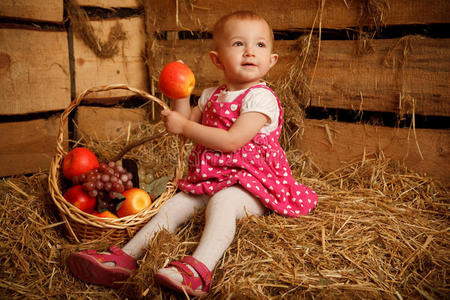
[222,211]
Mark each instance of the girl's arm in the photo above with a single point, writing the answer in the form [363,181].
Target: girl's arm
[183,107]
[243,130]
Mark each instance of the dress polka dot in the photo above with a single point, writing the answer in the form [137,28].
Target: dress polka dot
[260,166]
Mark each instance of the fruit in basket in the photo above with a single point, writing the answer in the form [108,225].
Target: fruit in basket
[106,203]
[78,161]
[78,197]
[105,214]
[136,200]
[176,80]
[108,179]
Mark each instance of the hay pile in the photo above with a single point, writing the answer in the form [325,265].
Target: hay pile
[379,231]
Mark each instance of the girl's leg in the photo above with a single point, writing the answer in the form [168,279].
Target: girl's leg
[223,209]
[172,214]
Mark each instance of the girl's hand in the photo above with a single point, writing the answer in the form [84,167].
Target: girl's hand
[174,121]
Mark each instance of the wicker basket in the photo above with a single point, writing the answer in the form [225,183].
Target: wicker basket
[83,227]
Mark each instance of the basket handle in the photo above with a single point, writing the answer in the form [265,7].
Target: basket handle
[65,115]
[82,95]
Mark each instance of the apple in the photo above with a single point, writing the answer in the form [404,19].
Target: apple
[136,200]
[176,80]
[105,214]
[79,161]
[78,197]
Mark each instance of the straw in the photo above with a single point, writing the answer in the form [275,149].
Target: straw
[379,232]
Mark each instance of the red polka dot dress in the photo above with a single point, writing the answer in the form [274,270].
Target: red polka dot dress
[261,166]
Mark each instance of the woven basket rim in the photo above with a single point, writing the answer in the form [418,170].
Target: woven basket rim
[68,211]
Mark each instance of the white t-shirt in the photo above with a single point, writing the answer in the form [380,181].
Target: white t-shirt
[257,100]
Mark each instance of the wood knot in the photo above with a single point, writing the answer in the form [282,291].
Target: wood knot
[5,61]
[80,61]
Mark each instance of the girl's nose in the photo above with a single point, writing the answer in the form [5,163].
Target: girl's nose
[249,51]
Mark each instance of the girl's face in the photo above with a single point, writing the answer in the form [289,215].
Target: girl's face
[244,52]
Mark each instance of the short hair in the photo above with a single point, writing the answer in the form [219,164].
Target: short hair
[239,15]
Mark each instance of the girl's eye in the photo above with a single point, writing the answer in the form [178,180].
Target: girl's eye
[238,44]
[261,45]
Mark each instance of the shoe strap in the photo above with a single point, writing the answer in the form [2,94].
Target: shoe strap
[117,250]
[122,258]
[189,278]
[116,255]
[201,269]
[181,267]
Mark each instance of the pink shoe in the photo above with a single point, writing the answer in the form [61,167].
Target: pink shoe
[88,266]
[193,285]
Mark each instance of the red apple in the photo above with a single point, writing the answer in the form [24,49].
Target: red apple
[136,200]
[78,197]
[176,80]
[78,161]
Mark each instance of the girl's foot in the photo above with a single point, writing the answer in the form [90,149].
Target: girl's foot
[107,269]
[188,275]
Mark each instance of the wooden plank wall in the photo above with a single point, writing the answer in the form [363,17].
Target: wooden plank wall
[293,14]
[34,78]
[44,65]
[417,67]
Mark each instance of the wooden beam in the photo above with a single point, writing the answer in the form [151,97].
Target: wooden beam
[291,14]
[332,145]
[341,78]
[109,3]
[34,71]
[27,147]
[39,10]
[344,80]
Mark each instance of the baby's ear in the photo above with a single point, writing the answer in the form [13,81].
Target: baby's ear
[214,56]
[273,59]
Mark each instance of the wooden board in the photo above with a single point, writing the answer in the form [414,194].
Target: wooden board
[27,147]
[290,14]
[342,79]
[39,10]
[127,66]
[34,71]
[348,142]
[109,3]
[108,123]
